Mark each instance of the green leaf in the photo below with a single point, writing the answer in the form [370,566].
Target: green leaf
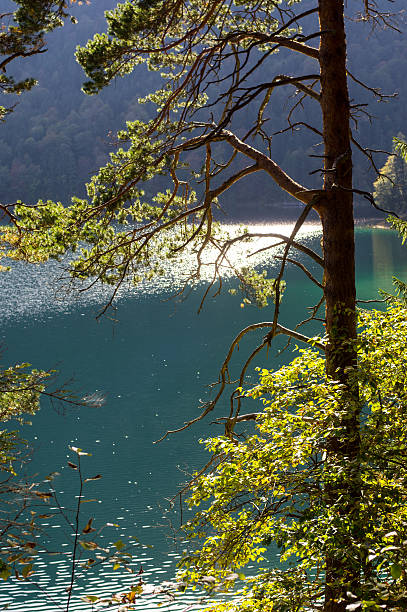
[395,571]
[27,570]
[5,574]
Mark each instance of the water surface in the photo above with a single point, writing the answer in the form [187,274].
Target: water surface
[152,361]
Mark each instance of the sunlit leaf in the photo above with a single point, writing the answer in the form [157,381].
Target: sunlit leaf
[88,545]
[97,477]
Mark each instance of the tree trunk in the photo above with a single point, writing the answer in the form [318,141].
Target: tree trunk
[336,211]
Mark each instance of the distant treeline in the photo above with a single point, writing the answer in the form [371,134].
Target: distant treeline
[57,137]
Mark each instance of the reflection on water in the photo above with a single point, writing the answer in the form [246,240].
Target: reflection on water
[383,264]
[33,290]
[152,364]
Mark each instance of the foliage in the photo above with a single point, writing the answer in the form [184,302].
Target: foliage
[23,544]
[51,144]
[269,489]
[400,147]
[256,287]
[400,225]
[22,35]
[22,500]
[21,389]
[391,186]
[87,550]
[305,478]
[122,228]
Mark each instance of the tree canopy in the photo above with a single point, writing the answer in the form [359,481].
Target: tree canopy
[270,488]
[57,137]
[22,35]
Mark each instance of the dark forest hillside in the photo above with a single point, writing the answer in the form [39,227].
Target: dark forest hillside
[57,137]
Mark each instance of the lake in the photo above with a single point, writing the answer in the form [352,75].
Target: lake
[152,360]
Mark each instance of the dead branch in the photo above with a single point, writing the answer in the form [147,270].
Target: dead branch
[303,268]
[251,416]
[368,196]
[35,51]
[224,371]
[374,90]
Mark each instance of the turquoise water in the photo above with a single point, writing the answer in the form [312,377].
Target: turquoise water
[152,364]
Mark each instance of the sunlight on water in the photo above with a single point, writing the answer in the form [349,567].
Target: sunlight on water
[152,365]
[50,594]
[30,300]
[37,290]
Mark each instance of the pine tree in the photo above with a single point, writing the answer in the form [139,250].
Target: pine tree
[22,35]
[212,57]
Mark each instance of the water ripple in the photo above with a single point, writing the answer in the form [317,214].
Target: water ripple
[36,290]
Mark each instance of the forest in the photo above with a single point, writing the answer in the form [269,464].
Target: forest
[57,137]
[262,110]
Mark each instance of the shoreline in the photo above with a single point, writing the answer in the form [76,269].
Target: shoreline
[373,223]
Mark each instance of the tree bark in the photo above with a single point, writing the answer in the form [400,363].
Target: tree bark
[336,211]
